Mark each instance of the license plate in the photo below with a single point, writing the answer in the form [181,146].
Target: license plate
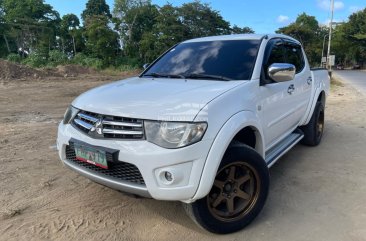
[91,155]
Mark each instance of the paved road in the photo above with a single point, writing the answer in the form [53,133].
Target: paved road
[356,78]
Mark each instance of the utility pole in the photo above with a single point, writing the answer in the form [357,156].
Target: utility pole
[321,61]
[330,35]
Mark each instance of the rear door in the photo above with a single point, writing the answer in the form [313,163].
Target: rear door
[302,81]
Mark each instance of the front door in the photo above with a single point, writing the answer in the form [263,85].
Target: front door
[277,102]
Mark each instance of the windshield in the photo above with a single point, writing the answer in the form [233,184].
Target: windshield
[221,60]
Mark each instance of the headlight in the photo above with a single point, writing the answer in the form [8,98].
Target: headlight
[70,114]
[174,134]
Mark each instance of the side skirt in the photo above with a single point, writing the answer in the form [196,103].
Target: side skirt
[273,154]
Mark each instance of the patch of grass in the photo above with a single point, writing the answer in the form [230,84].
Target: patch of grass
[112,71]
[336,82]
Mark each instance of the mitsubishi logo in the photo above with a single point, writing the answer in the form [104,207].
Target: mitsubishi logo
[98,127]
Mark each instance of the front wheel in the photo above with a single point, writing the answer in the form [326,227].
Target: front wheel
[238,194]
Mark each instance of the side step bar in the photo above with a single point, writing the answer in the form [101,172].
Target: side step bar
[283,146]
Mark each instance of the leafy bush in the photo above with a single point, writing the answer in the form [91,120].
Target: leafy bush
[57,57]
[36,60]
[78,58]
[14,58]
[82,59]
[93,63]
[122,62]
[126,68]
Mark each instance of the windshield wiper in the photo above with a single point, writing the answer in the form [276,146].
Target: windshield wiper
[207,76]
[165,75]
[190,76]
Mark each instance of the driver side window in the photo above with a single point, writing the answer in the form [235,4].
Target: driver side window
[275,54]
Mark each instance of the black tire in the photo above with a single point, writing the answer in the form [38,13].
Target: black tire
[313,131]
[241,162]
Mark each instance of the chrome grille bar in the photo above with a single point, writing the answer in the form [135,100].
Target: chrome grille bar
[87,117]
[83,124]
[121,132]
[119,123]
[109,127]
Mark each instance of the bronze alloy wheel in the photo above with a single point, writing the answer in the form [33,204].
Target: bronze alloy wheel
[320,124]
[235,191]
[313,131]
[238,193]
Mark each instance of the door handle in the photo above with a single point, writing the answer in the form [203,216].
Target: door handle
[309,80]
[291,89]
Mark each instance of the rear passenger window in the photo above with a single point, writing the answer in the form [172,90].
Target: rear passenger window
[294,56]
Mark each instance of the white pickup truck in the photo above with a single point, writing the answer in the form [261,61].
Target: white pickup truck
[202,125]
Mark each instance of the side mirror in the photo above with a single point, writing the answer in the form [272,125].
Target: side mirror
[145,66]
[281,72]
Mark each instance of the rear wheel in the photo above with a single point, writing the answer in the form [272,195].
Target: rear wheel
[313,131]
[238,193]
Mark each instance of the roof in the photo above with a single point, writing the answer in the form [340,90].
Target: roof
[239,37]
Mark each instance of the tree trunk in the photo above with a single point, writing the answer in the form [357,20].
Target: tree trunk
[63,45]
[73,42]
[7,43]
[130,27]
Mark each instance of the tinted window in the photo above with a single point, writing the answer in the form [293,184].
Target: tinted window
[233,59]
[294,56]
[275,53]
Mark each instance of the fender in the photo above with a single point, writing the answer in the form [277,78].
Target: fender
[319,88]
[222,140]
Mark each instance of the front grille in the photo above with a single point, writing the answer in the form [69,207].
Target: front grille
[105,126]
[120,170]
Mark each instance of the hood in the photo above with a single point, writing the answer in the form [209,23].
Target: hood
[153,98]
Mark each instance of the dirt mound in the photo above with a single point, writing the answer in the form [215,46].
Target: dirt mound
[11,71]
[74,70]
[14,71]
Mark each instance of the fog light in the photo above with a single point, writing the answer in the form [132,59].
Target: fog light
[168,176]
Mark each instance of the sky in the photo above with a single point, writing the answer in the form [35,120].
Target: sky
[263,16]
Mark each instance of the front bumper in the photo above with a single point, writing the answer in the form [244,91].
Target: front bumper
[128,187]
[186,165]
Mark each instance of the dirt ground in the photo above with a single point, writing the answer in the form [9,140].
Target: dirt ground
[316,193]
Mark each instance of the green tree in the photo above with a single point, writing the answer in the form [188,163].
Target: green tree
[29,11]
[32,24]
[96,8]
[101,41]
[146,30]
[306,29]
[140,22]
[4,43]
[70,33]
[238,30]
[122,17]
[355,34]
[341,46]
[167,31]
[202,20]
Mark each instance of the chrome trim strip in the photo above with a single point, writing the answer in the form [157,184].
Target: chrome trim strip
[121,132]
[87,117]
[139,190]
[83,124]
[120,123]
